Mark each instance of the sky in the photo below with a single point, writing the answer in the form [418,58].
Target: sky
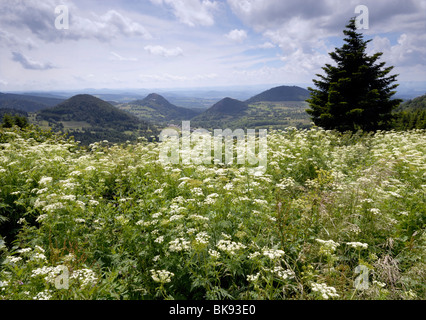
[118,44]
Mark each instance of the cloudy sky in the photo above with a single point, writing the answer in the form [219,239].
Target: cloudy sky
[194,43]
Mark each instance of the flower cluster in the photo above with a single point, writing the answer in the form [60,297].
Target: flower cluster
[327,246]
[325,291]
[179,244]
[230,246]
[161,276]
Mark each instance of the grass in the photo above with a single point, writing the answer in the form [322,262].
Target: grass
[127,227]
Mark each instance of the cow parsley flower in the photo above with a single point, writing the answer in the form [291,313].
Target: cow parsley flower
[85,276]
[325,291]
[327,246]
[253,277]
[161,276]
[273,253]
[45,180]
[178,244]
[357,245]
[230,246]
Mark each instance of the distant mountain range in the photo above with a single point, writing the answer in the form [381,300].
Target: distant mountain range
[90,118]
[81,114]
[228,111]
[28,103]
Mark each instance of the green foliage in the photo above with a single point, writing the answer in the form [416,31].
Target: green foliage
[356,93]
[127,227]
[411,115]
[13,118]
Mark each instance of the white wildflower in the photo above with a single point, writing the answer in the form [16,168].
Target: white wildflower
[179,244]
[253,277]
[45,180]
[70,197]
[93,202]
[24,250]
[75,173]
[202,237]
[162,276]
[176,217]
[121,219]
[39,256]
[41,217]
[157,215]
[254,255]
[215,254]
[327,246]
[85,276]
[325,291]
[357,245]
[198,217]
[53,207]
[160,239]
[12,259]
[230,246]
[43,295]
[374,211]
[38,248]
[273,253]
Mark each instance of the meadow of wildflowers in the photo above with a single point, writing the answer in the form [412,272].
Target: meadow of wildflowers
[126,226]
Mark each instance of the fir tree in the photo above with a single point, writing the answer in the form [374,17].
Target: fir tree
[355,94]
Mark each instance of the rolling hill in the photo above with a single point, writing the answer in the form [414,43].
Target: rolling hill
[27,103]
[91,119]
[275,108]
[157,109]
[411,114]
[281,93]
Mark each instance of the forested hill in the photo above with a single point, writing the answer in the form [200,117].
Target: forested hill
[155,108]
[93,110]
[411,114]
[27,103]
[91,119]
[281,93]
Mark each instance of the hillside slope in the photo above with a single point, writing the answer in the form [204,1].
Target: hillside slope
[91,119]
[27,103]
[281,93]
[157,109]
[275,108]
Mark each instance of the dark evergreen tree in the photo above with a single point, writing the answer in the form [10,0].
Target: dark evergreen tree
[21,121]
[7,121]
[356,93]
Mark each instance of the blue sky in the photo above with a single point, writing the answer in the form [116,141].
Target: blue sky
[195,43]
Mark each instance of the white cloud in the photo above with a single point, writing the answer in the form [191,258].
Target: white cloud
[117,57]
[10,40]
[266,45]
[161,51]
[192,12]
[39,17]
[410,49]
[29,63]
[237,35]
